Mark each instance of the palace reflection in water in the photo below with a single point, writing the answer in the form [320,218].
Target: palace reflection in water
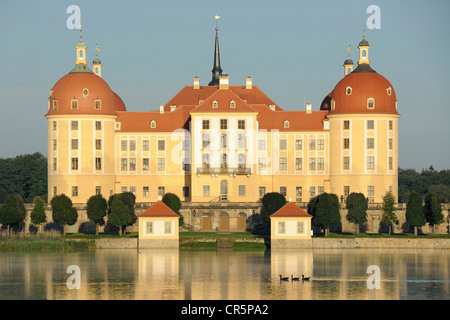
[226,274]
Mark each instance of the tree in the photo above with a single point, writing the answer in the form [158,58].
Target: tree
[63,212]
[442,191]
[325,211]
[432,210]
[389,216]
[271,203]
[119,215]
[38,216]
[96,208]
[414,211]
[13,211]
[174,203]
[129,199]
[357,209]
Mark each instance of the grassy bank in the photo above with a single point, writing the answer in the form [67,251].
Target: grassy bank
[44,241]
[384,235]
[215,235]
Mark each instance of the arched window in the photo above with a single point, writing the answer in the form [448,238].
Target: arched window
[348,90]
[206,162]
[224,161]
[370,103]
[81,54]
[286,123]
[241,160]
[206,140]
[153,124]
[215,104]
[232,104]
[96,70]
[364,53]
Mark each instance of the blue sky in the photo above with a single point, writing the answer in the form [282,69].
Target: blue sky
[291,49]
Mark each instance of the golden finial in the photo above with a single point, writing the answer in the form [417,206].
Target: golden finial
[348,49]
[97,50]
[81,34]
[364,31]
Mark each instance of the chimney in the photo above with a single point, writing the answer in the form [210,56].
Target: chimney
[161,109]
[248,83]
[308,108]
[173,107]
[272,107]
[224,82]
[196,82]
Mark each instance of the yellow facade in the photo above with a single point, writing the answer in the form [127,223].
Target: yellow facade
[158,228]
[290,228]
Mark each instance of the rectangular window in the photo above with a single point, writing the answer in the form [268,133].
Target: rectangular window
[262,191]
[98,163]
[161,145]
[133,190]
[242,190]
[223,124]
[241,124]
[149,227]
[283,190]
[132,145]
[98,190]
[124,145]
[281,227]
[167,227]
[97,104]
[205,124]
[206,140]
[145,145]
[370,143]
[261,163]
[298,163]
[346,124]
[312,192]
[223,140]
[186,164]
[54,164]
[391,163]
[391,125]
[75,191]
[187,145]
[123,189]
[391,144]
[74,104]
[98,144]
[74,144]
[98,125]
[161,191]
[312,163]
[346,163]
[206,190]
[298,194]
[300,227]
[123,164]
[55,104]
[320,164]
[145,191]
[241,140]
[370,193]
[185,191]
[320,144]
[298,145]
[54,125]
[346,191]
[346,143]
[74,163]
[55,191]
[262,145]
[370,162]
[54,144]
[133,164]
[283,144]
[312,144]
[74,125]
[370,124]
[161,164]
[320,190]
[283,163]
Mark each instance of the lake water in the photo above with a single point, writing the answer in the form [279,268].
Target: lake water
[226,274]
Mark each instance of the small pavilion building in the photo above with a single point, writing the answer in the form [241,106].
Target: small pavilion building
[158,227]
[290,228]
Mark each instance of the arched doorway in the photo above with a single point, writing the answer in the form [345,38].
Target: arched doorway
[206,222]
[224,190]
[241,222]
[224,222]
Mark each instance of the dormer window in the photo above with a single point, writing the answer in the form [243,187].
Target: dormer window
[215,104]
[153,124]
[389,91]
[74,104]
[348,90]
[286,124]
[85,92]
[232,104]
[55,104]
[332,104]
[370,103]
[97,104]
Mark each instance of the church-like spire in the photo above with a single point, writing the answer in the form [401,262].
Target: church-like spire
[217,70]
[81,63]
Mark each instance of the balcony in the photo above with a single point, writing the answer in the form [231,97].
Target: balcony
[230,171]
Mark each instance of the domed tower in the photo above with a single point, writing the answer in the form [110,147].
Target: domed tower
[363,132]
[81,116]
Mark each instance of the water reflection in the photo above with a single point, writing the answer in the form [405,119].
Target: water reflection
[226,274]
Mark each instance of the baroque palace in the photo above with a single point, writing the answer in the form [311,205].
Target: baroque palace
[220,142]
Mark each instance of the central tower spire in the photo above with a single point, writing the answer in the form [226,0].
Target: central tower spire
[217,70]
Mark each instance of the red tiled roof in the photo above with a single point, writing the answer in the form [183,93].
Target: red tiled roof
[290,209]
[159,209]
[223,98]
